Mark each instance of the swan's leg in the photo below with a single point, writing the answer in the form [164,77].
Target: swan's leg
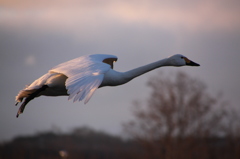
[29,98]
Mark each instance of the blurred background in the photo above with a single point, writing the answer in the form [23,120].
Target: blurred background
[37,35]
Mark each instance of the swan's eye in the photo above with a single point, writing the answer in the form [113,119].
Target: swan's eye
[182,57]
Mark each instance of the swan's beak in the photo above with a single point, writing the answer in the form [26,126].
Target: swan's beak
[190,63]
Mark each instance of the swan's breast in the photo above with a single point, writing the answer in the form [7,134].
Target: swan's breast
[113,78]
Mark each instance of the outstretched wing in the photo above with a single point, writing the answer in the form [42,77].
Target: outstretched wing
[85,74]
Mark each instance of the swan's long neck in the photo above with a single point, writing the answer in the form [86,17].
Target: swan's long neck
[113,78]
[144,69]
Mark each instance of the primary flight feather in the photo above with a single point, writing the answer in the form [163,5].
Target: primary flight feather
[79,78]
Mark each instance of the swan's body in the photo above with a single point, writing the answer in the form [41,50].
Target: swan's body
[79,78]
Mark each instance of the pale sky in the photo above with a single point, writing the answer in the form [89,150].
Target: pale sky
[37,35]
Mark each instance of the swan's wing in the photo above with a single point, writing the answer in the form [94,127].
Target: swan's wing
[85,74]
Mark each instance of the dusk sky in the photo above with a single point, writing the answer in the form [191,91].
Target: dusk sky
[37,35]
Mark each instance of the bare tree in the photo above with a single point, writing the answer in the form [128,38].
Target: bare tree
[179,119]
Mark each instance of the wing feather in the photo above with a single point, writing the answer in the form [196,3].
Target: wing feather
[85,74]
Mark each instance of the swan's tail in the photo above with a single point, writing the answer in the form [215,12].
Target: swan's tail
[28,95]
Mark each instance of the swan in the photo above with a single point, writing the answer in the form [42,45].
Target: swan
[79,78]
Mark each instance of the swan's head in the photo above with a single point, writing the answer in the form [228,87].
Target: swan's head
[180,60]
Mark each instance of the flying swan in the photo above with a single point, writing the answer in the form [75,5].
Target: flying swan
[79,78]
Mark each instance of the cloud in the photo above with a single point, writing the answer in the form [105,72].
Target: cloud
[195,16]
[173,14]
[30,60]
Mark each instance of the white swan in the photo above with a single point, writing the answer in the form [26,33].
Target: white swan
[79,78]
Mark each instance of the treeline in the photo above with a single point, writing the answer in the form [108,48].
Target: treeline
[182,120]
[86,143]
[81,143]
